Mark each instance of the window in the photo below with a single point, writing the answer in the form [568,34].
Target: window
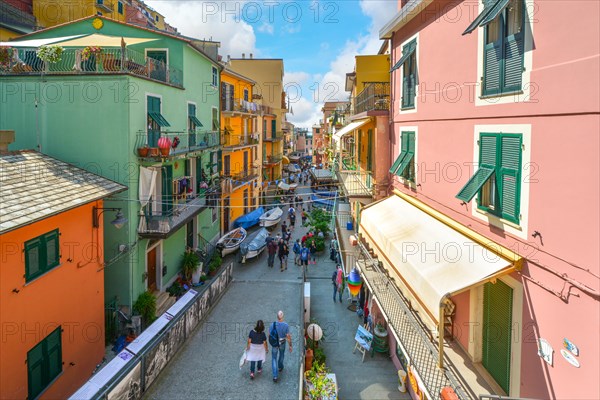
[498,178]
[246,94]
[193,123]
[157,18]
[120,7]
[503,22]
[44,363]
[215,77]
[404,166]
[408,62]
[41,255]
[167,190]
[155,120]
[215,119]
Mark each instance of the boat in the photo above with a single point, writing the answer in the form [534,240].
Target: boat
[321,202]
[249,220]
[231,241]
[254,245]
[295,156]
[271,217]
[325,193]
[287,187]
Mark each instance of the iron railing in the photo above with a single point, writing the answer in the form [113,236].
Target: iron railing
[24,61]
[166,222]
[374,97]
[105,5]
[181,142]
[356,183]
[271,159]
[231,140]
[230,105]
[272,136]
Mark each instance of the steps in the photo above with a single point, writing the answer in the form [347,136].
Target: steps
[163,302]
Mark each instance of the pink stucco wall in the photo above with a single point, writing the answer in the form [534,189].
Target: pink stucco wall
[563,177]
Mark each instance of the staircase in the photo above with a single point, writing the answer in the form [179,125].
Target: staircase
[163,302]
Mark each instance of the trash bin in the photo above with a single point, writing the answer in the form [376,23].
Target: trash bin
[349,225]
[402,381]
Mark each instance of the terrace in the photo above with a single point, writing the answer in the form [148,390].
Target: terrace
[181,143]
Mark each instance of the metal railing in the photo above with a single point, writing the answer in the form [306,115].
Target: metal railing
[262,109]
[24,61]
[165,223]
[230,104]
[105,5]
[356,183]
[272,158]
[181,142]
[374,97]
[272,136]
[231,140]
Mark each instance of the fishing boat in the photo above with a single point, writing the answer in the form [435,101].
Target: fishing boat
[255,244]
[271,217]
[231,241]
[321,202]
[249,220]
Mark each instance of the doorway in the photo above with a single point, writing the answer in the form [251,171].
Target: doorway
[190,235]
[152,263]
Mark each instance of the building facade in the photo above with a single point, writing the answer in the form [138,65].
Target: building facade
[123,105]
[50,245]
[477,252]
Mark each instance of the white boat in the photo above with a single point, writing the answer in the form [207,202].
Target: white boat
[271,217]
[231,241]
[255,244]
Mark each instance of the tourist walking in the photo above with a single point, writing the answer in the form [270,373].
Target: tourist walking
[282,253]
[292,221]
[304,255]
[272,248]
[279,333]
[312,247]
[303,215]
[338,282]
[257,347]
[333,248]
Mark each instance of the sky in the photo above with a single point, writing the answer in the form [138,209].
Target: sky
[317,40]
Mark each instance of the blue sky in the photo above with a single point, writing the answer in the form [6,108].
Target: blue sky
[316,39]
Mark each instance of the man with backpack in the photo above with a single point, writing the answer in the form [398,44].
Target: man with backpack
[279,333]
[297,247]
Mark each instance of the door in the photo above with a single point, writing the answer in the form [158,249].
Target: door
[226,214]
[189,235]
[151,262]
[245,163]
[227,165]
[158,64]
[497,321]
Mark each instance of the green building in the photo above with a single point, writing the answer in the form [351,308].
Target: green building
[117,93]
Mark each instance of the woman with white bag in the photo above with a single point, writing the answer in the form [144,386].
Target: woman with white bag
[257,347]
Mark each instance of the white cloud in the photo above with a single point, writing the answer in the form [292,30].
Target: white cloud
[211,20]
[289,29]
[299,78]
[266,28]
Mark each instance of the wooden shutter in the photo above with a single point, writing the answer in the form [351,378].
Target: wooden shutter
[488,143]
[36,381]
[33,258]
[51,247]
[274,127]
[497,321]
[167,190]
[369,150]
[359,149]
[199,174]
[509,176]
[513,63]
[53,353]
[220,161]
[492,60]
[403,152]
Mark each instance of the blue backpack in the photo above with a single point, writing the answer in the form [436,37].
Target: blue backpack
[304,254]
[297,248]
[273,336]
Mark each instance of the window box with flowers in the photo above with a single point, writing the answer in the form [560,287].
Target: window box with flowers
[49,54]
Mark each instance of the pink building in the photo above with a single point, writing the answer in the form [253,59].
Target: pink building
[495,121]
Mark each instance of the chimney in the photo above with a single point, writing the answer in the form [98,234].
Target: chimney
[243,55]
[6,138]
[251,56]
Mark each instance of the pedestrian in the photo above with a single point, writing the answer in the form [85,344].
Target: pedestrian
[292,221]
[277,351]
[304,239]
[312,247]
[272,248]
[283,228]
[333,248]
[338,282]
[291,210]
[297,247]
[282,253]
[257,347]
[304,255]
[298,201]
[303,215]
[288,236]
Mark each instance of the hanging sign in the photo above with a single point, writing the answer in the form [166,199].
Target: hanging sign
[570,358]
[545,350]
[568,345]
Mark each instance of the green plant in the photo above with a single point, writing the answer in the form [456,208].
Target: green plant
[5,56]
[203,278]
[89,51]
[175,289]
[319,220]
[319,243]
[215,263]
[145,305]
[318,384]
[319,356]
[50,54]
[189,264]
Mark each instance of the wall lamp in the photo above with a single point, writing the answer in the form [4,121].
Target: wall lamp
[118,222]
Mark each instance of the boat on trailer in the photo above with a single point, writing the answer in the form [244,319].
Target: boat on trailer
[271,217]
[231,241]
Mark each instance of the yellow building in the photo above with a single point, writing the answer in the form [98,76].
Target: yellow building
[53,12]
[241,166]
[15,21]
[268,75]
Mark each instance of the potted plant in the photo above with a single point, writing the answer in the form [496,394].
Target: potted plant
[49,54]
[215,263]
[164,145]
[145,305]
[318,384]
[5,56]
[143,150]
[89,51]
[190,266]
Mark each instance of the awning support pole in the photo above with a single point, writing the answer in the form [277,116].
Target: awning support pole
[441,336]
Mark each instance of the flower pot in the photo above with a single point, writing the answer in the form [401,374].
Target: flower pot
[153,152]
[143,151]
[164,151]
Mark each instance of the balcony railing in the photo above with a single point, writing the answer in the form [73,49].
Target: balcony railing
[164,224]
[356,183]
[230,140]
[105,5]
[374,97]
[272,159]
[24,61]
[186,142]
[232,105]
[232,180]
[266,110]
[272,136]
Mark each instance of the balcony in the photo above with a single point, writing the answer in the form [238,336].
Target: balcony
[105,5]
[231,181]
[270,160]
[187,142]
[356,183]
[110,61]
[230,141]
[239,106]
[162,226]
[272,136]
[374,97]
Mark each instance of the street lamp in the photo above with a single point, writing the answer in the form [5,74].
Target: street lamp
[118,222]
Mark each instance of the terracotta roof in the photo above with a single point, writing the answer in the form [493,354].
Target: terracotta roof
[36,186]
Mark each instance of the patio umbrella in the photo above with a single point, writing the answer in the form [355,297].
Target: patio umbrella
[99,40]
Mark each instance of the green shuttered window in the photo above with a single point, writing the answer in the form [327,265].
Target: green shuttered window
[44,363]
[498,178]
[497,321]
[167,189]
[155,120]
[409,74]
[404,164]
[41,254]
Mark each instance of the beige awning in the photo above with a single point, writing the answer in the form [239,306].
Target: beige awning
[348,129]
[99,40]
[433,259]
[37,42]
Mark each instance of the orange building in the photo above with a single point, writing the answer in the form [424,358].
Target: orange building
[52,275]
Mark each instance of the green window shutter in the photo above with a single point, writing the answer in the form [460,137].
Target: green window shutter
[36,381]
[167,189]
[509,176]
[513,63]
[497,321]
[495,9]
[369,150]
[33,258]
[474,184]
[274,126]
[492,60]
[488,6]
[396,163]
[408,147]
[359,147]
[199,174]
[220,161]
[488,145]
[51,245]
[402,155]
[54,354]
[191,110]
